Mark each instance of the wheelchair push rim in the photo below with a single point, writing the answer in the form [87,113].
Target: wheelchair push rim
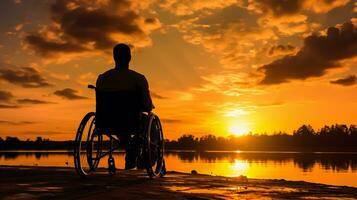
[88,146]
[154,148]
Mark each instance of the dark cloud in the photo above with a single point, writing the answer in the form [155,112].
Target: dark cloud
[279,8]
[151,20]
[27,77]
[5,106]
[32,101]
[5,96]
[85,25]
[274,104]
[318,54]
[44,47]
[69,93]
[171,121]
[347,81]
[156,95]
[277,50]
[16,123]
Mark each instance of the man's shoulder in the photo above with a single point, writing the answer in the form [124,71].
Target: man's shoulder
[131,74]
[136,74]
[107,73]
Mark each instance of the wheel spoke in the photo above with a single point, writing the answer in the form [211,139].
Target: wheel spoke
[88,146]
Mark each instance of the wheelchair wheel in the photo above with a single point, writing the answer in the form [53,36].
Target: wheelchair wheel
[88,146]
[154,148]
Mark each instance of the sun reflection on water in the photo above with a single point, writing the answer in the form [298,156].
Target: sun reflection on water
[239,167]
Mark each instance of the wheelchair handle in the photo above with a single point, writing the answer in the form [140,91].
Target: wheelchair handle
[91,87]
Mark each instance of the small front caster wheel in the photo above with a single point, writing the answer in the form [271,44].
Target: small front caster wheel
[111,166]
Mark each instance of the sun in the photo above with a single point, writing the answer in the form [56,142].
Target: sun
[239,129]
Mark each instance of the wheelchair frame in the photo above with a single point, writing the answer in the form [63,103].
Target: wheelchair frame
[90,147]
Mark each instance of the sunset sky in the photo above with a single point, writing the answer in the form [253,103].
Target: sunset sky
[221,67]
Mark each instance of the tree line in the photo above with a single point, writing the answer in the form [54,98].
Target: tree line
[14,143]
[338,137]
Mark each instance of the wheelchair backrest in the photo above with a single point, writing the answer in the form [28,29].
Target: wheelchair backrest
[118,110]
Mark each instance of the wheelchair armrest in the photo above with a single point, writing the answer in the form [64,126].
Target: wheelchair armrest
[91,87]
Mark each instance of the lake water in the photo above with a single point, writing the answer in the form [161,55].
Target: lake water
[327,168]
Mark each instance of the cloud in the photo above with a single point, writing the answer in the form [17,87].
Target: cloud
[171,121]
[278,50]
[235,112]
[156,95]
[86,25]
[347,81]
[69,93]
[189,7]
[279,8]
[323,6]
[4,106]
[287,25]
[228,34]
[45,47]
[5,96]
[273,104]
[32,101]
[27,77]
[228,83]
[16,123]
[318,54]
[290,17]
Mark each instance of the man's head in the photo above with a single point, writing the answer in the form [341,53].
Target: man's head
[121,54]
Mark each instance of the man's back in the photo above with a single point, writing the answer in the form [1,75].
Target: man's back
[121,79]
[122,94]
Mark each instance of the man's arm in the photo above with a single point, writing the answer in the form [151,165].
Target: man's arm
[146,98]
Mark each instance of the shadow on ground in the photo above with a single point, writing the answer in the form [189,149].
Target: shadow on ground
[63,183]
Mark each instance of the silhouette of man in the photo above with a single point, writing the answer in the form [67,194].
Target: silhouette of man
[121,78]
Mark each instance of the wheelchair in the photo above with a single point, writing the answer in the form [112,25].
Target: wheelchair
[99,135]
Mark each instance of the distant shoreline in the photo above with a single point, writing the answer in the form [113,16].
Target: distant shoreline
[334,138]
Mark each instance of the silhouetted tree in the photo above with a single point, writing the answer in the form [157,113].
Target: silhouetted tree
[12,139]
[353,130]
[187,141]
[38,140]
[304,130]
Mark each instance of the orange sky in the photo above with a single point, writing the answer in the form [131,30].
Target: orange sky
[220,67]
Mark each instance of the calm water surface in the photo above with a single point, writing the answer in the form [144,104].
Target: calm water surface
[328,168]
